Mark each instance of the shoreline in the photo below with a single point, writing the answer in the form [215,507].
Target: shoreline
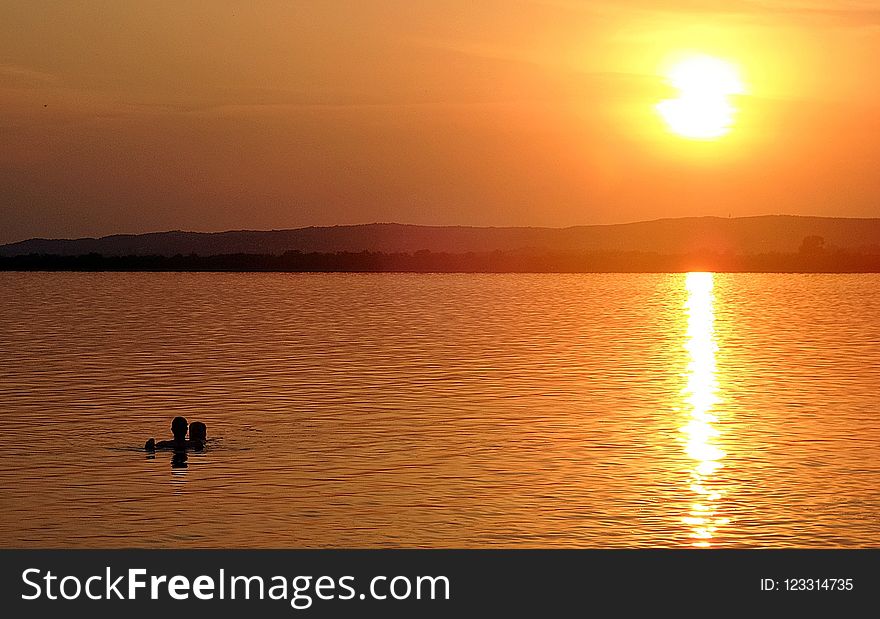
[436,262]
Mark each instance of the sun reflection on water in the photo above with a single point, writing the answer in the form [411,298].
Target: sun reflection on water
[700,433]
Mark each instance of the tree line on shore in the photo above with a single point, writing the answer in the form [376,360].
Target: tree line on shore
[520,261]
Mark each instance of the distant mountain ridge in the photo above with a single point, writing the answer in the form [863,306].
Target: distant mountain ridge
[742,235]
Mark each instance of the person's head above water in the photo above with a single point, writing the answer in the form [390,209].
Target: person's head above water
[198,431]
[178,428]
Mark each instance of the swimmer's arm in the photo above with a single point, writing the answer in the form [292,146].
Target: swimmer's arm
[152,445]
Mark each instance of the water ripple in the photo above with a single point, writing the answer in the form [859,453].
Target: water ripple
[436,410]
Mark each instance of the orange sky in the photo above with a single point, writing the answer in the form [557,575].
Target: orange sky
[213,115]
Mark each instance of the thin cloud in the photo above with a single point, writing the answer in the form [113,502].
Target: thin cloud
[855,14]
[20,73]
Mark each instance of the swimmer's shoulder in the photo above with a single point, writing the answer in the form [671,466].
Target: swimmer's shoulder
[153,444]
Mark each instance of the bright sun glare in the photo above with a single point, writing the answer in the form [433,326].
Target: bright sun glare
[703,109]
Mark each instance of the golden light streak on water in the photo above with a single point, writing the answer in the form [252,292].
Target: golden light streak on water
[701,395]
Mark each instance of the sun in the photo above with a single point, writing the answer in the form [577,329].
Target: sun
[703,109]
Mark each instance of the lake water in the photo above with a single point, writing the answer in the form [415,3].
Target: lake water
[376,410]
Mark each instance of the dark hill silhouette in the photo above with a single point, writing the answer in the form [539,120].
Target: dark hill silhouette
[744,235]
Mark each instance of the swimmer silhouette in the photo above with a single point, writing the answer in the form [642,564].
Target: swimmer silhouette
[198,434]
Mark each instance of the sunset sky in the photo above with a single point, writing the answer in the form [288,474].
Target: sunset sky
[216,114]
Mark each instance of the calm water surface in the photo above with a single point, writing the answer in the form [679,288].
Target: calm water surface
[441,410]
